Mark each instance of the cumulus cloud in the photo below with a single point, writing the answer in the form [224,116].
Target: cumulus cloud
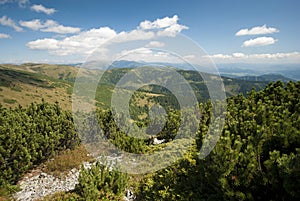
[134,35]
[155,44]
[86,42]
[21,3]
[47,43]
[5,21]
[260,41]
[83,43]
[189,57]
[36,24]
[172,30]
[259,30]
[159,23]
[220,56]
[2,35]
[48,26]
[57,28]
[238,55]
[167,26]
[147,30]
[148,55]
[288,57]
[5,2]
[41,9]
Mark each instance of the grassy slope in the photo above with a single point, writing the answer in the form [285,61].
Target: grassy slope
[27,83]
[23,84]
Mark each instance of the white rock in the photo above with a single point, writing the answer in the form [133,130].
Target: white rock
[44,184]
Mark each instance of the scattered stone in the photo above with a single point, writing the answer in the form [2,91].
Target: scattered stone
[157,141]
[44,184]
[40,184]
[129,195]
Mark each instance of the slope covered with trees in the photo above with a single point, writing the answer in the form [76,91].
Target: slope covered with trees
[256,158]
[29,136]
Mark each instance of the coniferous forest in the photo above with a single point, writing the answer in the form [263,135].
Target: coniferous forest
[256,158]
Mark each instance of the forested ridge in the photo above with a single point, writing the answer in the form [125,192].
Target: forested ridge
[256,158]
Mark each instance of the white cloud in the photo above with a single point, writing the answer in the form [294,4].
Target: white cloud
[83,43]
[172,30]
[257,31]
[36,24]
[260,41]
[40,8]
[4,2]
[148,55]
[5,21]
[159,23]
[167,26]
[155,44]
[21,3]
[289,57]
[189,57]
[86,42]
[2,35]
[134,35]
[41,44]
[238,55]
[220,56]
[61,29]
[276,55]
[48,26]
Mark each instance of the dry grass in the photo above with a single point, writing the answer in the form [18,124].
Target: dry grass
[35,94]
[30,86]
[60,196]
[7,191]
[66,161]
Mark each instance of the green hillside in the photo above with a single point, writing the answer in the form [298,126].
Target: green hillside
[27,83]
[23,84]
[256,158]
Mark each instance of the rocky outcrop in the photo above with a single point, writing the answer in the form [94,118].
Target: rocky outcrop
[44,184]
[40,184]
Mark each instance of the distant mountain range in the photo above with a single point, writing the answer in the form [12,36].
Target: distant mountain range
[266,77]
[284,73]
[135,64]
[256,72]
[290,71]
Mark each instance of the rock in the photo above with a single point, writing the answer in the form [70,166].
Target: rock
[157,141]
[129,195]
[41,184]
[44,184]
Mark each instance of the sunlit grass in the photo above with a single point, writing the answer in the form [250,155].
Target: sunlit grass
[67,160]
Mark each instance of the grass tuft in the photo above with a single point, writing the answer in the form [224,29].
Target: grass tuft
[67,160]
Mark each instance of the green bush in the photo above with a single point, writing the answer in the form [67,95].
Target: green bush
[9,101]
[101,182]
[29,136]
[256,158]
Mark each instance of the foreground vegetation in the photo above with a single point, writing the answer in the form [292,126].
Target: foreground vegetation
[256,158]
[30,136]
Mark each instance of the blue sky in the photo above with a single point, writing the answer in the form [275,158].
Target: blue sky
[54,30]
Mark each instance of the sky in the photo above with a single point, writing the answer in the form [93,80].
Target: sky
[228,31]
